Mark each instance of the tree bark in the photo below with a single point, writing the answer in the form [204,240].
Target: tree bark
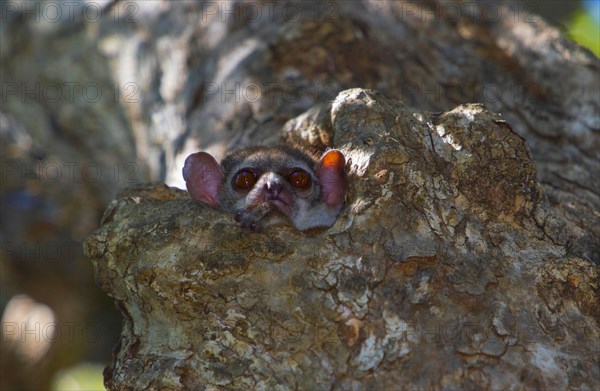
[441,271]
[466,256]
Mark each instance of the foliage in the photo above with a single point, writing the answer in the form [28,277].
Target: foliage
[84,376]
[583,26]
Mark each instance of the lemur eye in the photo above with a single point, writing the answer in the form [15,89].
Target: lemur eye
[299,179]
[245,179]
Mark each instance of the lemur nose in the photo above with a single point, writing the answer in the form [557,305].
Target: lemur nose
[273,187]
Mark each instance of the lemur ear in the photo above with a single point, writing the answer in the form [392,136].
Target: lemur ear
[203,178]
[332,178]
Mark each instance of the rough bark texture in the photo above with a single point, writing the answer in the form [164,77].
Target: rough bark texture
[440,273]
[177,77]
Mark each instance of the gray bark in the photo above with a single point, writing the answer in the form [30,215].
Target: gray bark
[466,256]
[441,272]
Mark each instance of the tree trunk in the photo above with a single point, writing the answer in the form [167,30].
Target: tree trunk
[441,272]
[466,255]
